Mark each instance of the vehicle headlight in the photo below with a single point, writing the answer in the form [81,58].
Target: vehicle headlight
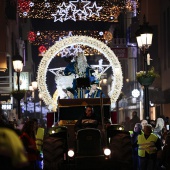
[120,128]
[70,153]
[107,151]
[53,131]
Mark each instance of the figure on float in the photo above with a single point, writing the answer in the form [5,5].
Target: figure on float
[79,68]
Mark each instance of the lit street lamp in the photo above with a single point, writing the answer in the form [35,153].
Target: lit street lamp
[40,97]
[18,66]
[144,39]
[34,87]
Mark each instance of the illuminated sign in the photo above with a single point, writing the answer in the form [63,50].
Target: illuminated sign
[23,80]
[6,106]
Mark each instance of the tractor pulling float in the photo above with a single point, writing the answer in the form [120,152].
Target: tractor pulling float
[102,148]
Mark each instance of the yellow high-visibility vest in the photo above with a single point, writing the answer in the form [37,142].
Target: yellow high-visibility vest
[39,138]
[12,146]
[131,132]
[146,145]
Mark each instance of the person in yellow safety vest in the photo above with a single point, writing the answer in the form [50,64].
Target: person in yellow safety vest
[148,147]
[39,134]
[134,136]
[39,138]
[12,151]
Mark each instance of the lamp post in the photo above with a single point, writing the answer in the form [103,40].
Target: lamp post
[144,39]
[34,87]
[40,97]
[18,66]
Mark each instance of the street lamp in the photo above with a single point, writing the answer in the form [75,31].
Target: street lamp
[34,87]
[144,39]
[40,97]
[18,66]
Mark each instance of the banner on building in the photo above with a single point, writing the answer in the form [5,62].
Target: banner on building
[23,81]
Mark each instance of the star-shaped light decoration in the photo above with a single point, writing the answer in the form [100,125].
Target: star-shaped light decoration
[69,35]
[64,52]
[58,16]
[94,9]
[70,14]
[82,16]
[78,49]
[63,8]
[79,4]
[71,50]
[47,5]
[79,8]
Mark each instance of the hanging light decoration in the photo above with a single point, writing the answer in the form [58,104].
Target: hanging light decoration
[50,37]
[74,10]
[24,6]
[42,49]
[115,12]
[31,36]
[108,36]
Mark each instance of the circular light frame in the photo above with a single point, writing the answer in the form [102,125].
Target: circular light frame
[117,78]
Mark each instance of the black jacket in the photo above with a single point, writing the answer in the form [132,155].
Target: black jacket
[86,122]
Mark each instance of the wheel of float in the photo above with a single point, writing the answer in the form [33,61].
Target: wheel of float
[121,149]
[54,148]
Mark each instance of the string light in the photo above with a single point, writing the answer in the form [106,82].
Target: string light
[106,10]
[48,38]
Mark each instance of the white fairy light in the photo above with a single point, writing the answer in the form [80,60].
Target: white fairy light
[38,33]
[47,5]
[31,4]
[101,33]
[25,13]
[111,17]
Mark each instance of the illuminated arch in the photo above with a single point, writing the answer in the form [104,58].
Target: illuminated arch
[82,40]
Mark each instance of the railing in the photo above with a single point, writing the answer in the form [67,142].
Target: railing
[119,42]
[5,83]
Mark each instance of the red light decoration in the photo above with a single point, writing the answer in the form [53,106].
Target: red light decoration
[24,5]
[31,36]
[42,49]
